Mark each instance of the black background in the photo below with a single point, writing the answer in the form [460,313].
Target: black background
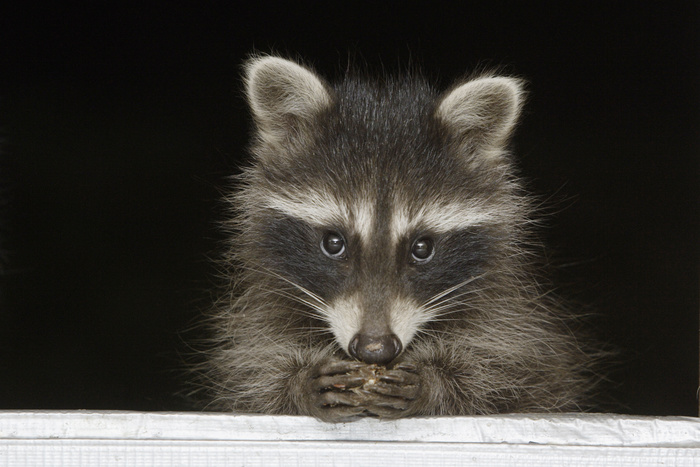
[120,123]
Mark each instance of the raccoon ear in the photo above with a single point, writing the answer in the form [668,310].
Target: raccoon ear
[283,96]
[482,112]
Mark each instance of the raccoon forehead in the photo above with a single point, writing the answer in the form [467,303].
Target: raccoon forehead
[322,209]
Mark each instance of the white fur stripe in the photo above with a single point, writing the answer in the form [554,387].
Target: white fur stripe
[406,319]
[344,317]
[364,219]
[322,210]
[440,218]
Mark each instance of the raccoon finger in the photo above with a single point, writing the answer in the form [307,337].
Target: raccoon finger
[334,399]
[405,366]
[386,413]
[338,413]
[337,382]
[399,377]
[384,404]
[339,367]
[395,391]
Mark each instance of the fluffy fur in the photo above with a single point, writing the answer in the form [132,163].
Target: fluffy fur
[437,263]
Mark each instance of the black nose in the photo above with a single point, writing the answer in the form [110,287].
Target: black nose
[375,349]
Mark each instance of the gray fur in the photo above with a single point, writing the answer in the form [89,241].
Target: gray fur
[382,162]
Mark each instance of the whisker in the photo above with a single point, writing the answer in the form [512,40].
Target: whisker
[452,289]
[292,283]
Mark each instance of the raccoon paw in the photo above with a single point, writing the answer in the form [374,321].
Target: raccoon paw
[336,375]
[394,392]
[330,389]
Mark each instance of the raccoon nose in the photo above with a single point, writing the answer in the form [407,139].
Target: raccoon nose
[375,349]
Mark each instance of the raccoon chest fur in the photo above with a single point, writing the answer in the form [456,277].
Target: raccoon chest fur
[380,248]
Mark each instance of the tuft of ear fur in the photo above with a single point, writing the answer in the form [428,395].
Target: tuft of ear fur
[483,112]
[283,96]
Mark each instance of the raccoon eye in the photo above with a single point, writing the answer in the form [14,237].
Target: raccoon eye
[422,250]
[333,245]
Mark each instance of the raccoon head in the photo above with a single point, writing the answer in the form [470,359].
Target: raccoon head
[377,202]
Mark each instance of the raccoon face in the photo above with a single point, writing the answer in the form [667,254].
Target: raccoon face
[375,291]
[380,212]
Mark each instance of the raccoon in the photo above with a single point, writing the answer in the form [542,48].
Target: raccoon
[381,260]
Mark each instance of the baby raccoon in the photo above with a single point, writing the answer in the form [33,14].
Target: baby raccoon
[381,252]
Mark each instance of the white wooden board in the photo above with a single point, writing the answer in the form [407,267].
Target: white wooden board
[83,438]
